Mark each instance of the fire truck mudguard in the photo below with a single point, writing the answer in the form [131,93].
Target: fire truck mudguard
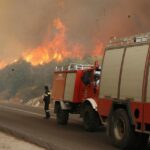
[92,102]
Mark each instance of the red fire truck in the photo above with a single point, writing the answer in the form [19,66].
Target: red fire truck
[118,96]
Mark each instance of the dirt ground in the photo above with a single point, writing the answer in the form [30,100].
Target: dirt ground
[8,142]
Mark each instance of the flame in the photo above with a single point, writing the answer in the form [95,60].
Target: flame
[57,48]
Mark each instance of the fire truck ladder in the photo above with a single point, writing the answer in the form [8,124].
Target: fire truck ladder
[139,38]
[74,66]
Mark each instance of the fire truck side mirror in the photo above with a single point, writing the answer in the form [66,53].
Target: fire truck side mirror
[86,78]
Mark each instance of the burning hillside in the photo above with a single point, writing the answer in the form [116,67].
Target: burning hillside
[58,48]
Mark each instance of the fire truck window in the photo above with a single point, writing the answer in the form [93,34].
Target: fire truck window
[86,78]
[148,88]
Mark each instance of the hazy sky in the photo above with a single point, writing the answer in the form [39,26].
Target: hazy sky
[25,23]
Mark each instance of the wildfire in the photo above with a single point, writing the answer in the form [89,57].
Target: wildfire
[57,48]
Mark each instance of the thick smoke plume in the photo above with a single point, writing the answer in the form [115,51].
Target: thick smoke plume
[24,23]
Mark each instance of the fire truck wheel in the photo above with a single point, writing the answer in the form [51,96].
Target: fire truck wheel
[62,116]
[90,119]
[121,132]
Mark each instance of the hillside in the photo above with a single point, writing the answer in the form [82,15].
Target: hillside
[22,81]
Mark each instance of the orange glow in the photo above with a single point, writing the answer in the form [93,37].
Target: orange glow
[98,49]
[57,48]
[3,64]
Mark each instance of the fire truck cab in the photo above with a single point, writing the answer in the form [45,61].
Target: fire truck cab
[74,91]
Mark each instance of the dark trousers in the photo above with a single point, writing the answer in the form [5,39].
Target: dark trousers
[46,108]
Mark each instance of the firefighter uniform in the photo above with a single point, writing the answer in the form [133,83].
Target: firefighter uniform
[46,100]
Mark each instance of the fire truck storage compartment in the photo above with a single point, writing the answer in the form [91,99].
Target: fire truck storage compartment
[69,87]
[111,72]
[64,86]
[133,72]
[133,60]
[58,87]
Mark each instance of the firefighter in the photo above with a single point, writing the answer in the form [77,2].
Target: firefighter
[47,96]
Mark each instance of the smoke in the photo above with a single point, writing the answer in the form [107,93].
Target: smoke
[25,23]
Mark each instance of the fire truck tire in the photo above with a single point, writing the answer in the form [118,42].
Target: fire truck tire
[121,132]
[90,119]
[62,116]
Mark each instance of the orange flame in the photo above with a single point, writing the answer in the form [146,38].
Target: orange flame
[57,48]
